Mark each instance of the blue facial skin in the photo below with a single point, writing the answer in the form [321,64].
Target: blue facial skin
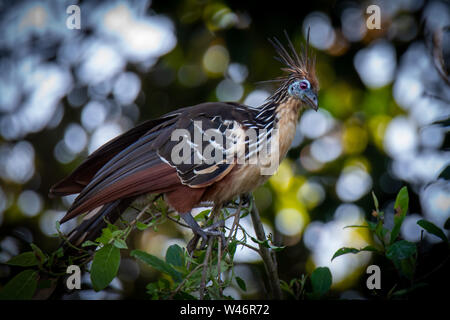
[302,90]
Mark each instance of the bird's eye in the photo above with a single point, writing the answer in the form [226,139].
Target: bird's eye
[297,88]
[304,84]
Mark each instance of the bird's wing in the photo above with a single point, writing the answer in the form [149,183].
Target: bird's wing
[147,164]
[210,140]
[84,173]
[122,168]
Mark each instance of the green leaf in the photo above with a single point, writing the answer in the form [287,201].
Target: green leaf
[356,226]
[59,252]
[26,259]
[105,237]
[369,248]
[402,201]
[113,227]
[346,250]
[214,292]
[142,226]
[375,200]
[89,243]
[183,295]
[117,233]
[202,215]
[372,225]
[406,266]
[105,266]
[157,263]
[38,253]
[241,284]
[175,255]
[152,288]
[276,248]
[321,280]
[400,207]
[232,248]
[401,250]
[120,243]
[445,174]
[380,231]
[447,224]
[433,229]
[265,243]
[21,287]
[285,286]
[245,212]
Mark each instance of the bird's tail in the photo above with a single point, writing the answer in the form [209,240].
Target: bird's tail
[92,225]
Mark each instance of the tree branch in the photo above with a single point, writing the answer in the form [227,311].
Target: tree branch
[215,212]
[269,260]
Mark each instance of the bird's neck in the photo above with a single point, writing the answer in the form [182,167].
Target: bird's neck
[288,110]
[286,115]
[281,116]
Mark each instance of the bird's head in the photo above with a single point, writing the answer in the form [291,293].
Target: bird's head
[301,81]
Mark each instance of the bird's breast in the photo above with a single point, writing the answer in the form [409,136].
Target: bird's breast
[248,176]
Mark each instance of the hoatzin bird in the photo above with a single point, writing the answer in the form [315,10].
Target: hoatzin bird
[141,161]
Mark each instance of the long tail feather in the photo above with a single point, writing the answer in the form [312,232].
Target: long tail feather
[93,224]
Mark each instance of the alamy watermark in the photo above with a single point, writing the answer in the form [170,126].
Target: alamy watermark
[232,146]
[374,20]
[374,280]
[73,21]
[73,281]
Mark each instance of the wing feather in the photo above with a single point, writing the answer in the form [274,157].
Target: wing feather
[84,173]
[140,161]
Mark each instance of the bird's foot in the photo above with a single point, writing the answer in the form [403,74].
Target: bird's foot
[205,234]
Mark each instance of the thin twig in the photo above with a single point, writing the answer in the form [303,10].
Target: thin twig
[237,217]
[191,254]
[178,222]
[184,281]
[140,214]
[205,268]
[219,280]
[249,246]
[213,217]
[269,261]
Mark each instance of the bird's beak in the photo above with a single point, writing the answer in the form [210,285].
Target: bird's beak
[310,98]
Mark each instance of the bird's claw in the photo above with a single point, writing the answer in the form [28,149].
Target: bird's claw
[205,234]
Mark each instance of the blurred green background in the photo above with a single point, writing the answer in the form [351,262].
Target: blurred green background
[63,93]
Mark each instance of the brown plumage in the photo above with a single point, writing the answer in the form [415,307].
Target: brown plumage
[141,161]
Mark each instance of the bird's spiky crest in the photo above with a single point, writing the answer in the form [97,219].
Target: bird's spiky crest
[297,66]
[302,65]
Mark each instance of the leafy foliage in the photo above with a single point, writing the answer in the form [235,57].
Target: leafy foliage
[403,254]
[158,264]
[433,229]
[105,266]
[346,250]
[26,259]
[400,207]
[320,282]
[21,287]
[209,270]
